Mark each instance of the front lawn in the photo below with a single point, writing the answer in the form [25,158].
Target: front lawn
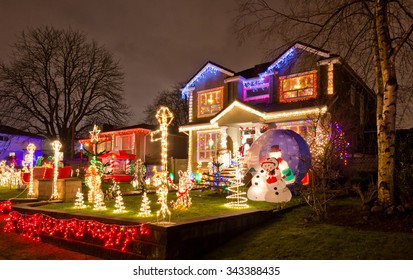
[346,234]
[204,203]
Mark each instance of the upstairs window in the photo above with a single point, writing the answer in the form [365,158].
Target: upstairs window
[298,87]
[125,143]
[210,102]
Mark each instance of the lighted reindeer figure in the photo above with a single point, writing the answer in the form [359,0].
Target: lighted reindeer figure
[161,186]
[184,186]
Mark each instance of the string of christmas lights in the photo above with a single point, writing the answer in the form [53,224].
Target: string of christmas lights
[5,206]
[112,236]
[145,210]
[31,148]
[237,197]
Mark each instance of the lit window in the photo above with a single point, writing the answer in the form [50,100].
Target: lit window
[300,127]
[298,87]
[125,143]
[210,102]
[207,145]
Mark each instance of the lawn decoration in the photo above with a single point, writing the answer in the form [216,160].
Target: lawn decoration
[185,184]
[95,170]
[79,202]
[119,205]
[145,210]
[285,169]
[9,176]
[164,117]
[237,197]
[56,145]
[31,148]
[295,151]
[277,190]
[99,203]
[93,181]
[139,175]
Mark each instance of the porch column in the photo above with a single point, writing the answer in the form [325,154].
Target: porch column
[223,137]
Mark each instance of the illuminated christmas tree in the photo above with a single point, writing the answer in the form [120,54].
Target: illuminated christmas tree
[79,203]
[145,210]
[119,205]
[99,204]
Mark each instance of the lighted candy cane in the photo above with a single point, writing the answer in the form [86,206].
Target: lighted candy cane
[31,148]
[56,145]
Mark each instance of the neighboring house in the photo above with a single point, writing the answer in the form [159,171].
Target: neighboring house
[228,109]
[13,144]
[127,144]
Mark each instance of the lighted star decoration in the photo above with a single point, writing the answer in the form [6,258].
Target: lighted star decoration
[94,134]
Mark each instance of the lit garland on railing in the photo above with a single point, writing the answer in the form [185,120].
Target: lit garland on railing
[89,231]
[5,206]
[31,148]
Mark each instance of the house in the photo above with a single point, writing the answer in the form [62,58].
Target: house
[13,144]
[121,146]
[230,110]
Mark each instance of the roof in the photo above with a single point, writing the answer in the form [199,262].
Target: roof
[14,131]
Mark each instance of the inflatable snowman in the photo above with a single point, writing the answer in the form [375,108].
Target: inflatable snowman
[285,169]
[277,190]
[258,188]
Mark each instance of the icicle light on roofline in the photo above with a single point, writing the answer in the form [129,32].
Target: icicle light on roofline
[31,148]
[56,145]
[207,70]
[277,64]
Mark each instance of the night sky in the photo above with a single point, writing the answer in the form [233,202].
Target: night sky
[157,42]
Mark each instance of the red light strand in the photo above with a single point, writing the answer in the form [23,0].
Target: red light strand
[113,236]
[5,206]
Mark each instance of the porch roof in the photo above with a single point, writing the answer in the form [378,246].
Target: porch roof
[237,112]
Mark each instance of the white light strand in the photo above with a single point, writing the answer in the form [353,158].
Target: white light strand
[145,210]
[79,202]
[56,145]
[31,148]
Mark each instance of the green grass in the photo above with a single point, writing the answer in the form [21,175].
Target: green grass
[7,193]
[204,203]
[294,236]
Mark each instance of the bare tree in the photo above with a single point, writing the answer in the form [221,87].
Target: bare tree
[57,82]
[373,35]
[173,100]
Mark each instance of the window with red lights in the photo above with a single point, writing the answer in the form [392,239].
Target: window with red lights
[210,102]
[298,87]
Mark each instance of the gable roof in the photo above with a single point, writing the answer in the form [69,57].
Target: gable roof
[209,66]
[14,131]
